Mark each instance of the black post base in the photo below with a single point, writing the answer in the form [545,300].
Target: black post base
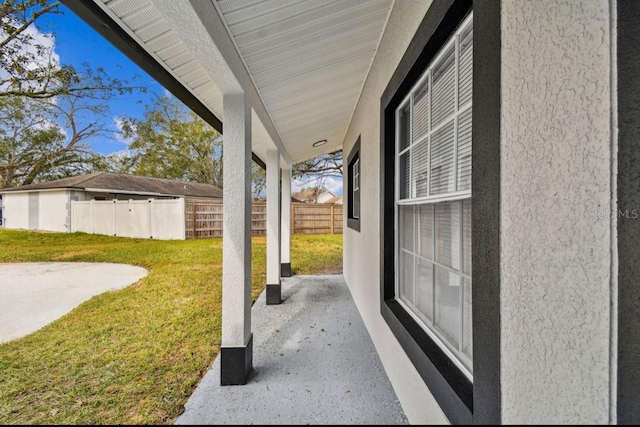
[274,295]
[236,364]
[285,269]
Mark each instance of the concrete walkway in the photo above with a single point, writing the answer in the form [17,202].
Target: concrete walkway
[33,294]
[314,363]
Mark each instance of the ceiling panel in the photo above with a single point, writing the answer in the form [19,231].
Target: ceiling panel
[155,34]
[309,60]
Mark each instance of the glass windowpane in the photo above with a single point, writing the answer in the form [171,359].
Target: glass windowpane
[406,277]
[425,236]
[424,290]
[466,235]
[467,333]
[443,95]
[407,222]
[405,130]
[447,215]
[421,169]
[447,304]
[421,111]
[404,176]
[442,164]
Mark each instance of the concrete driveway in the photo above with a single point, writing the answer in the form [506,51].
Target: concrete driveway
[35,294]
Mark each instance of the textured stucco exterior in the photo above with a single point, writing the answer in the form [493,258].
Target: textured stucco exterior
[555,204]
[53,210]
[40,210]
[16,211]
[362,249]
[236,249]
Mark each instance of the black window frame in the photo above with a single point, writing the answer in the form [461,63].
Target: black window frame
[462,401]
[353,221]
[628,203]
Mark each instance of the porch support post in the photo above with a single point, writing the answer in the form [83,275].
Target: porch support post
[236,353]
[285,224]
[273,227]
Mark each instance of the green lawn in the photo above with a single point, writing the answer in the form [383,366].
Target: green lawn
[132,356]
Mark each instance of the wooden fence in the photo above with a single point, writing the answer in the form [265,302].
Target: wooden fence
[203,218]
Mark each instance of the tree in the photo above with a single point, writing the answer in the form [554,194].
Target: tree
[30,67]
[323,166]
[42,140]
[173,142]
[258,181]
[314,191]
[48,110]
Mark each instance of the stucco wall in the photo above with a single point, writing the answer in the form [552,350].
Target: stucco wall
[556,192]
[52,210]
[362,249]
[16,210]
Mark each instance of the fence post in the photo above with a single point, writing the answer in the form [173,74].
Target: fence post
[150,204]
[331,219]
[115,217]
[195,236]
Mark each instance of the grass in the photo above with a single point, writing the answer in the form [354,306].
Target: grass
[132,356]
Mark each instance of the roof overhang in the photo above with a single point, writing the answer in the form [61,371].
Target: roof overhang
[302,64]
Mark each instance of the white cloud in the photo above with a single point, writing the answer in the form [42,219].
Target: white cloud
[45,123]
[119,133]
[43,58]
[334,185]
[331,183]
[46,40]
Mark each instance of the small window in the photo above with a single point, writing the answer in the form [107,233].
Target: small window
[355,194]
[353,187]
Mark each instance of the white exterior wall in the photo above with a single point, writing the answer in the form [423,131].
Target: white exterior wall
[16,210]
[557,286]
[52,210]
[556,170]
[362,248]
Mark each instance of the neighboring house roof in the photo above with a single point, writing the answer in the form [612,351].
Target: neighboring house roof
[303,196]
[119,182]
[310,197]
[335,200]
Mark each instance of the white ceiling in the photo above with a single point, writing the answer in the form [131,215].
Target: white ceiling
[308,59]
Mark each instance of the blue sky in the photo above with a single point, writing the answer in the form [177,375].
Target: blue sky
[76,42]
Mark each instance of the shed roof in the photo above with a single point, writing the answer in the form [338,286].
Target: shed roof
[119,182]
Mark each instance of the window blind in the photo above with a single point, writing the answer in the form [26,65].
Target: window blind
[433,163]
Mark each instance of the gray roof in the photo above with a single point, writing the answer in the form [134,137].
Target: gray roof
[114,182]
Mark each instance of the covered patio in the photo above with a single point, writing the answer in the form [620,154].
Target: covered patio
[466,314]
[313,363]
[283,80]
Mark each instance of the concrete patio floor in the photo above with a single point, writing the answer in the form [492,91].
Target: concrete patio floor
[314,363]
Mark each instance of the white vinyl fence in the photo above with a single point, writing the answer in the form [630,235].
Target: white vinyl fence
[161,219]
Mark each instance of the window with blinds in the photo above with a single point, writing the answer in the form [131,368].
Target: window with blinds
[356,188]
[353,187]
[433,199]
